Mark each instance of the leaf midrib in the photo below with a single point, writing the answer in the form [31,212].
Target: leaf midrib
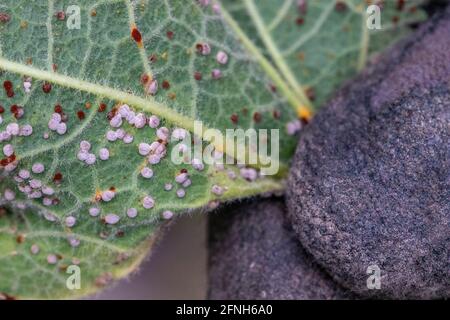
[146,105]
[151,106]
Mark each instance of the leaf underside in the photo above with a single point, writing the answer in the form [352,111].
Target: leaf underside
[320,43]
[86,74]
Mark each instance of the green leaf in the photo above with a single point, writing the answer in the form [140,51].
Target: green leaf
[87,74]
[316,45]
[98,64]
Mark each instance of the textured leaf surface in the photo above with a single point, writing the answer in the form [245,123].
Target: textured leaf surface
[101,64]
[85,75]
[318,44]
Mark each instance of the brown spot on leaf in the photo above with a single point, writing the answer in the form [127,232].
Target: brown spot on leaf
[47,87]
[14,108]
[400,5]
[112,113]
[120,234]
[58,109]
[234,118]
[340,6]
[8,86]
[273,87]
[311,93]
[257,117]
[145,78]
[276,114]
[5,161]
[136,35]
[81,115]
[4,17]
[20,238]
[63,267]
[57,178]
[102,107]
[153,58]
[60,15]
[165,85]
[197,75]
[17,111]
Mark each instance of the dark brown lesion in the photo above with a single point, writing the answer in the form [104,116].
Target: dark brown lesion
[5,161]
[4,17]
[20,238]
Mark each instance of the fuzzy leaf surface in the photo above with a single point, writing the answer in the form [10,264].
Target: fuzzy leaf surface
[318,44]
[102,64]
